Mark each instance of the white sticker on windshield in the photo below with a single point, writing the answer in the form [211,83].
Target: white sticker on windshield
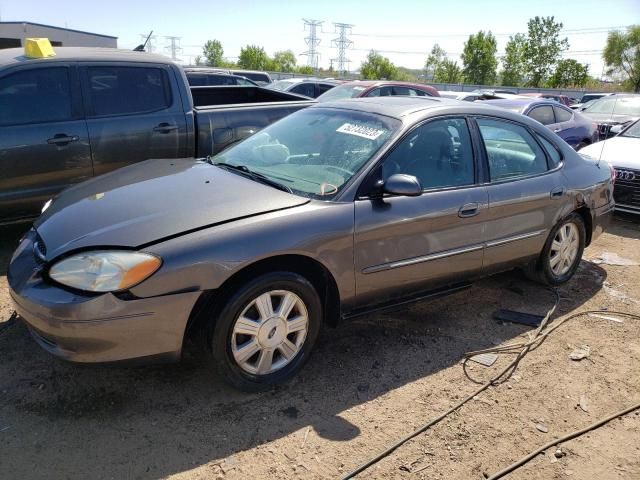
[360,131]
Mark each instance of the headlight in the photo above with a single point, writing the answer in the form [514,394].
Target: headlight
[104,271]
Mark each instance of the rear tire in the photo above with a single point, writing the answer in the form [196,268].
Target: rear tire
[561,253]
[265,331]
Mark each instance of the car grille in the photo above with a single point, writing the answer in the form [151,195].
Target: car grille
[626,192]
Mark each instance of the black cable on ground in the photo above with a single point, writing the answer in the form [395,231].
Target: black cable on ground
[569,436]
[519,349]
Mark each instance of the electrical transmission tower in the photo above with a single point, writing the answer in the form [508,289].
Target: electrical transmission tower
[312,41]
[342,43]
[151,46]
[174,47]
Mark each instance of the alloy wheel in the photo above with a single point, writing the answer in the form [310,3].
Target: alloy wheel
[564,249]
[269,332]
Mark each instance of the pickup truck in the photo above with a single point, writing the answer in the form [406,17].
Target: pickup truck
[88,111]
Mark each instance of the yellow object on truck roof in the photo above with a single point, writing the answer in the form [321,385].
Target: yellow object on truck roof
[38,48]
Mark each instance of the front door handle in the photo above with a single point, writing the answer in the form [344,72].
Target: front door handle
[165,127]
[557,193]
[62,139]
[469,210]
[557,130]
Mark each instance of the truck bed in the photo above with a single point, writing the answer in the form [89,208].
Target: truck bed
[225,115]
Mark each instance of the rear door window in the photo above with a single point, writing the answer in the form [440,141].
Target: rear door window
[307,89]
[562,115]
[324,87]
[128,90]
[38,95]
[543,114]
[511,150]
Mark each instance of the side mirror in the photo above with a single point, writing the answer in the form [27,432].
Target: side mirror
[403,185]
[616,129]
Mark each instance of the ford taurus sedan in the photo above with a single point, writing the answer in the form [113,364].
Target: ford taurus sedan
[334,211]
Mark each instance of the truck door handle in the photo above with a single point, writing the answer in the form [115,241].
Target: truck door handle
[62,139]
[165,127]
[557,193]
[469,210]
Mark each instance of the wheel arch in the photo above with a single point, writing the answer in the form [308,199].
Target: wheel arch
[311,269]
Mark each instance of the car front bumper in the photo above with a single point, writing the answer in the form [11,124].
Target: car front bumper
[95,328]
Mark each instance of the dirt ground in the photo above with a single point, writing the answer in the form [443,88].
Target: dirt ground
[369,382]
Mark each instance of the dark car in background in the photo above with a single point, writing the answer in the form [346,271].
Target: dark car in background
[201,77]
[586,100]
[309,87]
[574,128]
[377,88]
[87,111]
[613,112]
[334,211]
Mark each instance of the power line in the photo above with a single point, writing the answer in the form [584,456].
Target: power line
[174,46]
[342,43]
[312,41]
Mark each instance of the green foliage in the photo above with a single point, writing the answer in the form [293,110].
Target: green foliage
[479,59]
[305,70]
[377,67]
[542,49]
[448,71]
[622,56]
[213,53]
[198,60]
[253,57]
[284,61]
[569,73]
[435,58]
[513,62]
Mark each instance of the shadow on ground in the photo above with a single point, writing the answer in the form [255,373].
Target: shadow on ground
[149,422]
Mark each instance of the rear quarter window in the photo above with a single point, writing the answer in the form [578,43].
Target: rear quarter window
[563,115]
[128,90]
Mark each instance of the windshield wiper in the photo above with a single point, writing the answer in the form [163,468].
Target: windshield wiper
[259,177]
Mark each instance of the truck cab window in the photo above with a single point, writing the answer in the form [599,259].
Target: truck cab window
[128,90]
[35,96]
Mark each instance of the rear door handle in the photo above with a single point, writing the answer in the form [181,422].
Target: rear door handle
[469,210]
[557,193]
[165,128]
[62,139]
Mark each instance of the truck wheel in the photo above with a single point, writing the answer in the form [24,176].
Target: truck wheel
[266,330]
[561,253]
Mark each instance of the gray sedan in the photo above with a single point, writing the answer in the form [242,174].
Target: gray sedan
[334,211]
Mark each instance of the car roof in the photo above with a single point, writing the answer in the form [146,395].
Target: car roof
[12,56]
[521,103]
[309,79]
[378,83]
[402,107]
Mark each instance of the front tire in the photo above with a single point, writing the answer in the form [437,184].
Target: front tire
[561,253]
[266,330]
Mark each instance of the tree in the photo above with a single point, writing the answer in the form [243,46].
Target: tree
[479,59]
[543,48]
[622,56]
[569,73]
[253,57]
[513,62]
[305,70]
[198,60]
[377,67]
[212,52]
[448,71]
[435,58]
[284,61]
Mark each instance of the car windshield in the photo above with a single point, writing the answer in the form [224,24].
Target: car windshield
[342,92]
[616,105]
[633,131]
[313,152]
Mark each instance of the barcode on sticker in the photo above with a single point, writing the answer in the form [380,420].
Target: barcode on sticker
[360,131]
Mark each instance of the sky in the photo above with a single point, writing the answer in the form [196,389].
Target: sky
[404,31]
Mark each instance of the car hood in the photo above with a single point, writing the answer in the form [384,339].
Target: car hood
[608,118]
[150,201]
[621,152]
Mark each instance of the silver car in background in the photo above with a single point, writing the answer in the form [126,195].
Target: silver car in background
[334,211]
